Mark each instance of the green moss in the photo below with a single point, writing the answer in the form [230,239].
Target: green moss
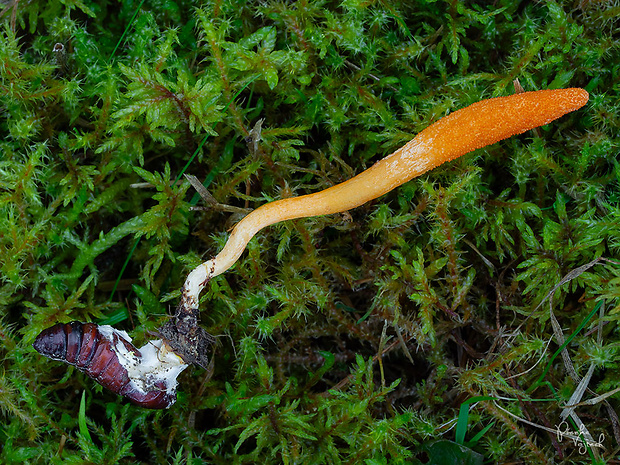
[350,338]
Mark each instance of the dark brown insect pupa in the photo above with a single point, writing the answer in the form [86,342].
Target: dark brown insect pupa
[146,376]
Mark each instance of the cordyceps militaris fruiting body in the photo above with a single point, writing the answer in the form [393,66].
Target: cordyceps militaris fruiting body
[478,125]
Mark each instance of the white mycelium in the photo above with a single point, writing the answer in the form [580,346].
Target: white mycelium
[154,364]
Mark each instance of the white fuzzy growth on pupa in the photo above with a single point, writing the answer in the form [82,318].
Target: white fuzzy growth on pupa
[154,364]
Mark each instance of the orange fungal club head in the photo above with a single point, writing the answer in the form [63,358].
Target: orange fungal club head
[488,121]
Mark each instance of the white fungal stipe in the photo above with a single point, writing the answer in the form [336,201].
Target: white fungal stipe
[153,366]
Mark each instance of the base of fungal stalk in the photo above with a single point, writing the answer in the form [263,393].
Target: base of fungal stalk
[186,338]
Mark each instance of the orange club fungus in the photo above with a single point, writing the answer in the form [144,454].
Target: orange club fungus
[478,125]
[149,371]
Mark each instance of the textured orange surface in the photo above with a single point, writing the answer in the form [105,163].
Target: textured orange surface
[488,121]
[480,124]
